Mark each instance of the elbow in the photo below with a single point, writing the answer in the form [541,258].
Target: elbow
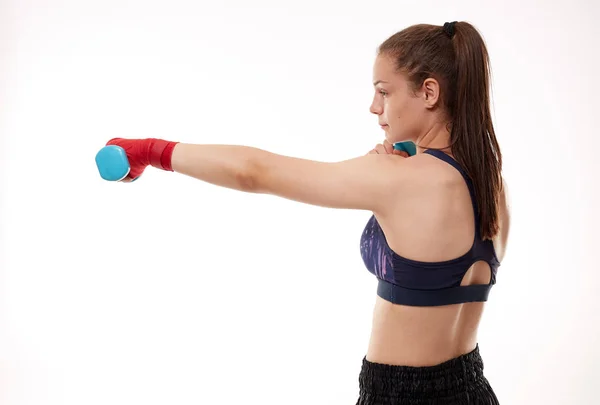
[258,172]
[248,178]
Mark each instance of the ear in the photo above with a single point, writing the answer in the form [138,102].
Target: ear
[431,92]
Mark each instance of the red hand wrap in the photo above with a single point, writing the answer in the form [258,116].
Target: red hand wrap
[144,152]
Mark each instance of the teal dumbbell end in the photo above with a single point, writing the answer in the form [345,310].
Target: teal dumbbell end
[112,163]
[407,146]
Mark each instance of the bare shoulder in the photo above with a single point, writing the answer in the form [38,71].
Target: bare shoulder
[428,173]
[425,184]
[428,184]
[426,170]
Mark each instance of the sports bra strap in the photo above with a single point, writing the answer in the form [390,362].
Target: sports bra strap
[448,159]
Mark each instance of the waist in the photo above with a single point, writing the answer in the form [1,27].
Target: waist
[422,336]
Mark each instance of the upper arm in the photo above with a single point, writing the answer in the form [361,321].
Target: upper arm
[366,183]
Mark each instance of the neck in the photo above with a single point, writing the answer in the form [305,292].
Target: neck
[437,137]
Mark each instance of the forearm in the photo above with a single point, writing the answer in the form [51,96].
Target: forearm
[230,166]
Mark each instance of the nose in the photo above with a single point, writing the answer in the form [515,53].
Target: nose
[375,107]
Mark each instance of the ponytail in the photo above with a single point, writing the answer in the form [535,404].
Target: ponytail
[456,55]
[475,145]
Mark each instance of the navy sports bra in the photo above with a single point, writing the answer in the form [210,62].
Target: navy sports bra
[409,282]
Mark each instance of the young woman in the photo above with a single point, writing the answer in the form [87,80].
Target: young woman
[440,218]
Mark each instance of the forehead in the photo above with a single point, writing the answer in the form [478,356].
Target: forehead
[384,69]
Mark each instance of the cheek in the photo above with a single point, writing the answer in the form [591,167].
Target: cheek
[395,115]
[404,115]
[390,111]
[401,121]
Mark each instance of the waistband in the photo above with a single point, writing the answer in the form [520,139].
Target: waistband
[449,378]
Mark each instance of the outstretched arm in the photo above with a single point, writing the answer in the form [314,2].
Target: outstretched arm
[368,183]
[361,183]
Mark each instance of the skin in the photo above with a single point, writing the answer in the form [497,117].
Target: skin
[426,336]
[389,184]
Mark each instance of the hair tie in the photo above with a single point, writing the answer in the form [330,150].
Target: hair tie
[449,29]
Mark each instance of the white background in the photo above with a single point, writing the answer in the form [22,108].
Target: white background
[174,291]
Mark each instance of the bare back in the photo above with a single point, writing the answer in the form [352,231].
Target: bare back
[433,221]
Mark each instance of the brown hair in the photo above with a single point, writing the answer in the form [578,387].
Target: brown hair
[459,61]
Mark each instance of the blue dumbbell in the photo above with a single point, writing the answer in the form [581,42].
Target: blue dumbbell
[112,163]
[406,146]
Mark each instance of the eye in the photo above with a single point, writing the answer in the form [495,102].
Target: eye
[383,93]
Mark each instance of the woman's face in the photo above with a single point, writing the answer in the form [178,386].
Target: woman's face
[401,112]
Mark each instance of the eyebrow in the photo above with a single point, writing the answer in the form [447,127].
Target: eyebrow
[379,81]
